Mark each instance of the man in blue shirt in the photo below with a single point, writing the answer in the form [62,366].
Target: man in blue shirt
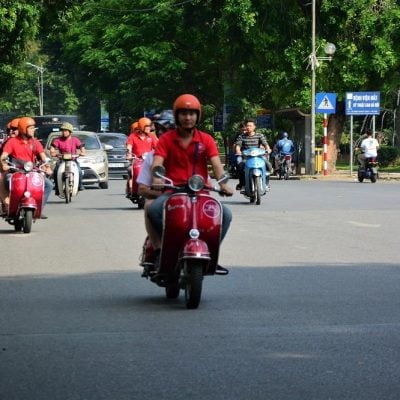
[283,147]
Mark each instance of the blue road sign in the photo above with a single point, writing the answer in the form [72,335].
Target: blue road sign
[363,103]
[325,103]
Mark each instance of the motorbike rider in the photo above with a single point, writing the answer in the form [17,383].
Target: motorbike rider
[282,147]
[245,141]
[12,131]
[369,147]
[182,151]
[66,143]
[23,148]
[140,141]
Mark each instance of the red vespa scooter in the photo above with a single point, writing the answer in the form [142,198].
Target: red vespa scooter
[132,193]
[26,196]
[190,240]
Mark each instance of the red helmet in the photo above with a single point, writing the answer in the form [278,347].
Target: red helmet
[14,123]
[134,126]
[24,123]
[187,102]
[143,122]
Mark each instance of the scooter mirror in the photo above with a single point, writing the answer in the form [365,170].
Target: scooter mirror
[159,171]
[224,179]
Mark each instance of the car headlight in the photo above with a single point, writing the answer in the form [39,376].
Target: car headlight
[99,159]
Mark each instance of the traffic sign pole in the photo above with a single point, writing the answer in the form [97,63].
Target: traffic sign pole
[325,143]
[351,145]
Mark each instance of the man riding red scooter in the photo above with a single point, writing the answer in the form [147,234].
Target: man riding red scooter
[139,143]
[26,182]
[186,243]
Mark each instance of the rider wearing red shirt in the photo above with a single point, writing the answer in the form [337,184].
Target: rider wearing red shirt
[25,147]
[141,141]
[184,151]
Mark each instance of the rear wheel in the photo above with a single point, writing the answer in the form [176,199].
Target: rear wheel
[27,222]
[172,289]
[287,172]
[194,284]
[141,202]
[67,190]
[18,224]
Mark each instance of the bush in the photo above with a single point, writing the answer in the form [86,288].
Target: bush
[388,155]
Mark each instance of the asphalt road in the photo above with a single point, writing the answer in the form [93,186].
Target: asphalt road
[310,309]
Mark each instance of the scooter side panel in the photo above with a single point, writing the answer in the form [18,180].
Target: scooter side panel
[60,173]
[136,167]
[17,189]
[35,185]
[177,223]
[209,224]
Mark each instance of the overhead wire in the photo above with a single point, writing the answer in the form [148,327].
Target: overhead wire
[140,9]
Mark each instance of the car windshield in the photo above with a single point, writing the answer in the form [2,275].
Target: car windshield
[113,140]
[90,142]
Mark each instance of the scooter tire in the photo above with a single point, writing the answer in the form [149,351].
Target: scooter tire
[172,290]
[373,178]
[257,189]
[67,191]
[360,179]
[194,284]
[27,222]
[140,203]
[18,225]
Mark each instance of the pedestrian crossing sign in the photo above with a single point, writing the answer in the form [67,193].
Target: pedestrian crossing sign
[325,103]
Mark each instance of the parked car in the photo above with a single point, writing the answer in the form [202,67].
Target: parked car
[117,162]
[94,163]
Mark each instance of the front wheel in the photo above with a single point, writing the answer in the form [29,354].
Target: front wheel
[103,185]
[373,178]
[257,189]
[67,190]
[141,202]
[27,224]
[194,284]
[360,177]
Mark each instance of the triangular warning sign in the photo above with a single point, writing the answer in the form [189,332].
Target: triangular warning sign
[325,104]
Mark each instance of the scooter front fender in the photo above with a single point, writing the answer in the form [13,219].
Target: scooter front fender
[195,248]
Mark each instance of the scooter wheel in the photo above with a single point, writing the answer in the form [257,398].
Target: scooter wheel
[172,290]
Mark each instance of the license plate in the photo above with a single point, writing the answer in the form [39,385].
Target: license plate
[116,165]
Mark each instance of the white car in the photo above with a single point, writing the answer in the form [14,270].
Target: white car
[94,163]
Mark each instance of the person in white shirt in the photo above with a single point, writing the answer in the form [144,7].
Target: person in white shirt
[369,147]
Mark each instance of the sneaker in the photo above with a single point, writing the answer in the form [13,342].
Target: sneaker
[43,216]
[238,186]
[221,270]
[268,188]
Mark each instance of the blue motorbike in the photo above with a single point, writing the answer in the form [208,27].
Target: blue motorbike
[256,174]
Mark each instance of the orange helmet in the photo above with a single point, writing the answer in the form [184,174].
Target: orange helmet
[143,122]
[187,102]
[134,126]
[24,123]
[14,123]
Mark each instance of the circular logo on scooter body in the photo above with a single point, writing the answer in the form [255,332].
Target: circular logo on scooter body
[37,179]
[211,209]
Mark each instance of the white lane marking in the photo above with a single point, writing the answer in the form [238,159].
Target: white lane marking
[364,225]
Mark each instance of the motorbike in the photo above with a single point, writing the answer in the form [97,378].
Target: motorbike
[26,196]
[284,166]
[255,172]
[67,177]
[190,240]
[132,193]
[370,171]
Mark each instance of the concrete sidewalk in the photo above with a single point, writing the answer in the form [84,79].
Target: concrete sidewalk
[345,176]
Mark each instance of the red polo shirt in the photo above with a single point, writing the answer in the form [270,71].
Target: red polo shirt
[142,145]
[180,162]
[17,148]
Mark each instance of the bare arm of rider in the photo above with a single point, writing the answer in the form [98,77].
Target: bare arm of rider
[4,164]
[53,151]
[218,173]
[148,192]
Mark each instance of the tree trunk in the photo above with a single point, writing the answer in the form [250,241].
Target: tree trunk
[335,130]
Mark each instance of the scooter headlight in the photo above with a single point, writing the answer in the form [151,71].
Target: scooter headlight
[254,153]
[194,233]
[27,194]
[28,166]
[196,183]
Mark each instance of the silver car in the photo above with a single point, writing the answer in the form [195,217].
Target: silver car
[94,163]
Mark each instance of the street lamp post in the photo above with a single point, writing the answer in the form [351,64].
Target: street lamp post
[40,70]
[314,63]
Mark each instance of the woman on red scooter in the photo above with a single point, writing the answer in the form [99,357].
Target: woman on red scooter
[182,150]
[23,148]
